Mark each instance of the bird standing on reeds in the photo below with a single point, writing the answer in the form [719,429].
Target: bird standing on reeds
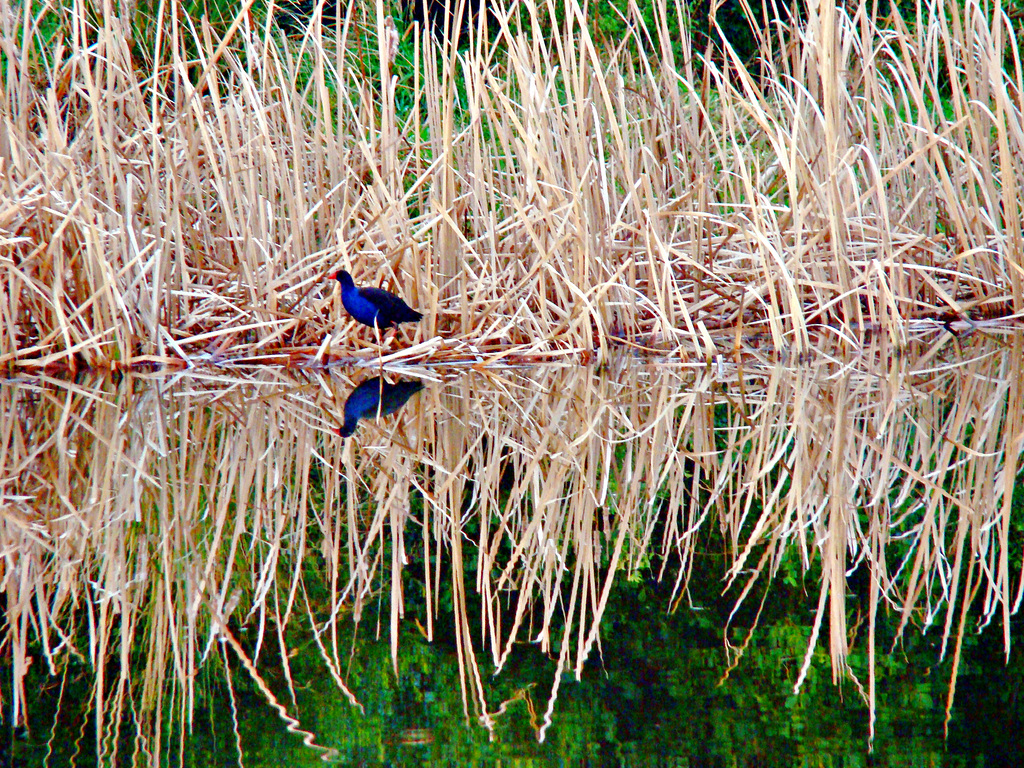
[374,307]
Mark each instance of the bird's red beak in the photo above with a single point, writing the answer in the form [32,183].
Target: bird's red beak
[332,275]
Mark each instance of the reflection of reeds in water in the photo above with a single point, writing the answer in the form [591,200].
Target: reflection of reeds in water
[145,521]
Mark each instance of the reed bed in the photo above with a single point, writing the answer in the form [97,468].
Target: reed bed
[182,200]
[178,526]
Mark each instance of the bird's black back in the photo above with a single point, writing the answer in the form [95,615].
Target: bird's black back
[392,310]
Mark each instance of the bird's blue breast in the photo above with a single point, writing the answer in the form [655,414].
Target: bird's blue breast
[361,309]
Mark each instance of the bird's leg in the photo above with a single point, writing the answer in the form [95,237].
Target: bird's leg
[380,354]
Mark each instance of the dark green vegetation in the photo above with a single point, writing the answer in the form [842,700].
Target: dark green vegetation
[658,691]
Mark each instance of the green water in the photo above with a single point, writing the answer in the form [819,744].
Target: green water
[199,570]
[654,696]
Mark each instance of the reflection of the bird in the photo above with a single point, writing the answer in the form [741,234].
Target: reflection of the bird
[376,397]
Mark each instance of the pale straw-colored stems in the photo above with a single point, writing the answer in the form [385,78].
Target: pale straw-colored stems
[541,193]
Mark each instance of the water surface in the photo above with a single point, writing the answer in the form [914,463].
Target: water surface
[752,561]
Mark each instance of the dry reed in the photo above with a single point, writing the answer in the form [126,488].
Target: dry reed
[540,197]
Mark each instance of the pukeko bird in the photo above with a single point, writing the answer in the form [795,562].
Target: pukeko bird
[374,307]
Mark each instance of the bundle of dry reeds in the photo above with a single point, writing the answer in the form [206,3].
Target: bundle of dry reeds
[184,201]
